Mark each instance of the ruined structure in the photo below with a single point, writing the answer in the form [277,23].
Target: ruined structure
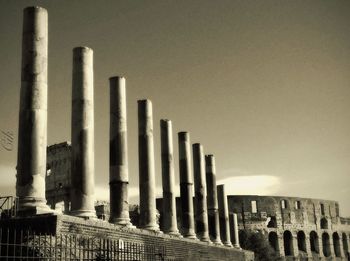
[77,234]
[70,172]
[295,227]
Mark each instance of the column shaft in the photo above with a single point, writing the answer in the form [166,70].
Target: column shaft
[168,178]
[148,218]
[186,186]
[82,174]
[223,213]
[234,230]
[212,200]
[32,127]
[200,193]
[118,153]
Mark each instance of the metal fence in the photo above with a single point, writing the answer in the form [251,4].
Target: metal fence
[26,245]
[8,207]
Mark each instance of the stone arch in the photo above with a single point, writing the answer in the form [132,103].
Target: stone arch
[314,244]
[301,241]
[273,239]
[288,243]
[345,245]
[326,246]
[324,223]
[272,222]
[336,244]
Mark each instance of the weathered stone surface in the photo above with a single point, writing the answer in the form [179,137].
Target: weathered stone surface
[175,248]
[186,186]
[234,230]
[32,129]
[148,214]
[212,200]
[82,174]
[294,226]
[223,214]
[168,178]
[118,153]
[200,193]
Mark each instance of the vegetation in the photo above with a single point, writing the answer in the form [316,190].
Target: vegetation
[257,242]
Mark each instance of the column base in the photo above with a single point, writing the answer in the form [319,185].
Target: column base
[190,236]
[228,244]
[237,246]
[86,214]
[173,233]
[216,242]
[205,239]
[30,206]
[154,228]
[121,222]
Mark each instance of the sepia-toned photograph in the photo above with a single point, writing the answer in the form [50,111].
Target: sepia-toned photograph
[174,130]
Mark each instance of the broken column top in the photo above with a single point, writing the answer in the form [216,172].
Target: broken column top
[117,78]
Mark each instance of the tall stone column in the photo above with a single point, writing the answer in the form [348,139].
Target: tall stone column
[118,154]
[168,178]
[223,214]
[148,215]
[234,230]
[200,193]
[212,200]
[32,127]
[82,174]
[186,186]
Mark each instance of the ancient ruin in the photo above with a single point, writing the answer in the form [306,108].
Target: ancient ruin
[74,179]
[203,226]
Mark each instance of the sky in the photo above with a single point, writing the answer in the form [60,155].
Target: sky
[263,85]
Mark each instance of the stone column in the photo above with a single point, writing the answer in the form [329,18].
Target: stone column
[200,193]
[82,174]
[234,230]
[148,214]
[223,214]
[212,200]
[168,178]
[186,186]
[32,127]
[118,154]
[308,245]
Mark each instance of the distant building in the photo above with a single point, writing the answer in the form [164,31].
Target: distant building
[299,227]
[58,179]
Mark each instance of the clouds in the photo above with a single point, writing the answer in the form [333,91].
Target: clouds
[251,185]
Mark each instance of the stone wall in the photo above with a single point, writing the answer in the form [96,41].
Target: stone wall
[177,248]
[303,227]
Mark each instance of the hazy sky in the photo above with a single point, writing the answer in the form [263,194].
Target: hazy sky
[263,85]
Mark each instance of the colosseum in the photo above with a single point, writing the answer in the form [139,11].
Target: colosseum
[295,227]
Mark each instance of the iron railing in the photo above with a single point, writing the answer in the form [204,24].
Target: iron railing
[8,207]
[18,245]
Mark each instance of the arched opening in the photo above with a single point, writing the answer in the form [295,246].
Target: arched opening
[345,245]
[288,243]
[324,223]
[273,239]
[301,241]
[326,245]
[272,222]
[314,242]
[336,244]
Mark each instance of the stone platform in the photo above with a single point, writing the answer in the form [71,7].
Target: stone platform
[177,248]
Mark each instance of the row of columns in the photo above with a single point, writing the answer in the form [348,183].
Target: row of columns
[31,168]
